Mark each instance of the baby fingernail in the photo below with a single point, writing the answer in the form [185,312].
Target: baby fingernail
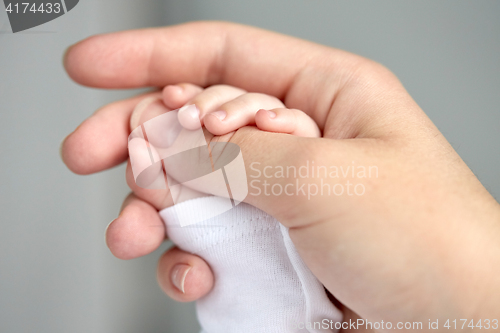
[271,114]
[220,114]
[178,90]
[189,117]
[179,273]
[190,110]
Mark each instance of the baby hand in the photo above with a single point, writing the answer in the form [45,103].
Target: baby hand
[223,109]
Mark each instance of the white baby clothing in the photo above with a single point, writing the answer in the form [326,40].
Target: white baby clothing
[261,283]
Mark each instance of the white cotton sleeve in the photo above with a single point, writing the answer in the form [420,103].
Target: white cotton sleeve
[261,283]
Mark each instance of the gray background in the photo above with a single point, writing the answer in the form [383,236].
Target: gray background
[56,274]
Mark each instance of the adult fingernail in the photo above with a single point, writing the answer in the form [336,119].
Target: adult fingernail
[220,114]
[271,114]
[178,276]
[106,232]
[65,54]
[61,149]
[135,117]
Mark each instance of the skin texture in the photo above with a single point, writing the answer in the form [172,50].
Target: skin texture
[422,242]
[240,109]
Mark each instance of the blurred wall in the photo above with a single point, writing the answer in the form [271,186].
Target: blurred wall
[56,274]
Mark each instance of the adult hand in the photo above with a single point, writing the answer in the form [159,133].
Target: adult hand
[422,242]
